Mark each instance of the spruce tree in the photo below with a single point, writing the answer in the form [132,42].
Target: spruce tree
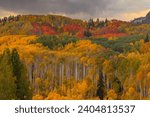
[147,38]
[90,24]
[22,83]
[97,23]
[101,87]
[7,79]
[106,22]
[87,33]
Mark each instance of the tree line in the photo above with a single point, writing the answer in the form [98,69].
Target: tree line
[14,83]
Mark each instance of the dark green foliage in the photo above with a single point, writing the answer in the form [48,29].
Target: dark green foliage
[97,24]
[14,83]
[146,38]
[16,63]
[120,45]
[25,91]
[106,22]
[87,33]
[7,80]
[16,71]
[55,42]
[22,82]
[101,24]
[90,24]
[101,87]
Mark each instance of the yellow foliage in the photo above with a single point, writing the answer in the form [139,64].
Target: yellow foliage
[78,92]
[131,94]
[53,96]
[82,87]
[38,80]
[38,97]
[22,43]
[111,95]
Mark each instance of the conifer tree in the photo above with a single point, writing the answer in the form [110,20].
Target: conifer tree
[147,38]
[101,87]
[97,23]
[7,79]
[90,23]
[22,82]
[106,22]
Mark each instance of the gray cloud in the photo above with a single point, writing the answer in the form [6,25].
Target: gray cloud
[75,8]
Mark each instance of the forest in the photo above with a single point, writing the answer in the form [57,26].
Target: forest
[51,57]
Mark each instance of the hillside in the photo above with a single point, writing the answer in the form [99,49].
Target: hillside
[142,20]
[58,25]
[54,57]
[37,24]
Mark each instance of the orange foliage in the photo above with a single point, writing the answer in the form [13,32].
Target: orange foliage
[22,43]
[145,47]
[112,30]
[74,29]
[80,34]
[131,94]
[45,29]
[36,28]
[37,97]
[111,95]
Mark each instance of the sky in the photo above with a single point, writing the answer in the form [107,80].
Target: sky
[80,9]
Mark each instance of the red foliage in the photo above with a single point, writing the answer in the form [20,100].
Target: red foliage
[108,29]
[36,28]
[73,28]
[80,34]
[111,30]
[45,29]
[113,27]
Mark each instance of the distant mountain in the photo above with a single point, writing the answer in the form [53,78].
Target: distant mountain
[142,20]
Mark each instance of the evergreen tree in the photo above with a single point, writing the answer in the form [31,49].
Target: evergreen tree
[90,23]
[147,38]
[101,87]
[87,33]
[97,24]
[106,22]
[25,87]
[7,80]
[22,82]
[101,24]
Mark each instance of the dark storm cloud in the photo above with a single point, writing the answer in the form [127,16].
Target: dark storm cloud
[93,8]
[46,6]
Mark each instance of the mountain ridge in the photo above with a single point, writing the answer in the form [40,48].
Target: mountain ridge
[142,20]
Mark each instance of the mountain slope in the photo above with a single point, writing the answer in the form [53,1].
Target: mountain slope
[142,20]
[36,24]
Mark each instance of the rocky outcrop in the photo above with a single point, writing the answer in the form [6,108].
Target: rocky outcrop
[142,20]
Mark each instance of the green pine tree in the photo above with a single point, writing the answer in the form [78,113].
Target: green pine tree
[147,38]
[106,22]
[23,90]
[101,87]
[90,24]
[7,80]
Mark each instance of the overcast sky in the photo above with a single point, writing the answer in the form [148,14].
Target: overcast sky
[84,9]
